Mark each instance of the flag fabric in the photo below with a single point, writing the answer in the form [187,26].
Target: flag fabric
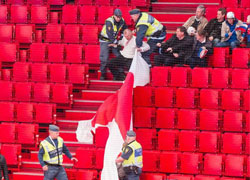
[242,28]
[116,114]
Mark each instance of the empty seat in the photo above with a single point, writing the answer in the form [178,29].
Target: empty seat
[187,141]
[41,92]
[144,117]
[230,99]
[45,113]
[234,165]
[212,164]
[85,157]
[39,72]
[143,96]
[6,90]
[240,79]
[61,93]
[12,153]
[38,52]
[159,76]
[6,33]
[247,147]
[186,98]
[21,71]
[69,14]
[92,53]
[87,14]
[233,121]
[7,111]
[179,77]
[56,53]
[24,33]
[169,162]
[77,73]
[164,97]
[165,118]
[219,78]
[9,131]
[102,2]
[141,3]
[39,14]
[90,34]
[35,2]
[167,139]
[248,166]
[26,133]
[53,33]
[104,12]
[200,77]
[189,163]
[245,4]
[3,13]
[153,176]
[232,143]
[209,142]
[146,137]
[150,160]
[74,53]
[209,119]
[187,119]
[57,73]
[8,52]
[220,56]
[71,33]
[247,129]
[24,112]
[246,101]
[22,91]
[209,98]
[19,14]
[101,136]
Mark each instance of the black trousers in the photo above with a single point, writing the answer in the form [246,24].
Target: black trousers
[167,60]
[117,66]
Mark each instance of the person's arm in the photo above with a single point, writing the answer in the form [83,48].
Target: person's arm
[66,151]
[125,155]
[4,168]
[140,34]
[110,31]
[145,47]
[40,156]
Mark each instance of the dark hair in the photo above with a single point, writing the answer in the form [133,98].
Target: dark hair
[182,29]
[201,32]
[223,11]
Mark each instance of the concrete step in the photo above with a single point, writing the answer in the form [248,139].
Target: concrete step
[83,103]
[96,94]
[79,114]
[109,85]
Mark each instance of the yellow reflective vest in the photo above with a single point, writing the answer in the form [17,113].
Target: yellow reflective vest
[51,156]
[136,157]
[153,24]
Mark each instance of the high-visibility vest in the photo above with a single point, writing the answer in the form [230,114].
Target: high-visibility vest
[51,156]
[136,157]
[116,30]
[153,24]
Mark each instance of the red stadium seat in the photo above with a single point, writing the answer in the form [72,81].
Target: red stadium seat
[248,166]
[247,148]
[84,2]
[24,33]
[153,176]
[92,53]
[169,162]
[6,33]
[234,165]
[57,73]
[19,14]
[35,2]
[230,3]
[233,121]
[181,177]
[56,2]
[213,164]
[179,77]
[71,33]
[6,90]
[39,72]
[61,93]
[240,79]
[232,143]
[141,3]
[85,156]
[246,13]
[90,34]
[201,177]
[24,112]
[146,137]
[37,52]
[211,12]
[74,53]
[189,163]
[8,52]
[143,96]
[246,97]
[101,136]
[120,3]
[104,12]
[187,119]
[220,57]
[99,158]
[22,91]
[186,98]
[248,123]
[87,14]
[188,141]
[9,131]
[39,14]
[12,153]
[209,142]
[240,62]
[7,110]
[165,118]
[159,76]
[200,77]
[53,33]
[164,97]
[21,71]
[45,113]
[15,2]
[150,160]
[77,73]
[167,139]
[3,14]
[69,14]
[102,2]
[41,92]
[26,133]
[56,53]
[245,4]
[209,120]
[236,10]
[219,77]
[54,17]
[230,99]
[144,117]
[125,12]
[209,98]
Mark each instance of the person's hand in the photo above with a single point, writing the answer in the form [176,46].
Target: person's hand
[134,32]
[74,159]
[113,45]
[211,38]
[45,168]
[169,49]
[158,44]
[230,34]
[139,49]
[176,55]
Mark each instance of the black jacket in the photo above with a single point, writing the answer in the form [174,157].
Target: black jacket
[3,168]
[213,28]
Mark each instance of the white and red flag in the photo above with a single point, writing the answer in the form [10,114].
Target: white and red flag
[116,114]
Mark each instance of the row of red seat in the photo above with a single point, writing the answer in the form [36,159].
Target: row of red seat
[36,92]
[200,77]
[236,3]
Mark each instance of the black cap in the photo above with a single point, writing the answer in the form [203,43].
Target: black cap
[131,133]
[54,128]
[134,11]
[118,12]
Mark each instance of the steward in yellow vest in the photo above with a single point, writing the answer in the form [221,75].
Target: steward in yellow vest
[131,157]
[51,155]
